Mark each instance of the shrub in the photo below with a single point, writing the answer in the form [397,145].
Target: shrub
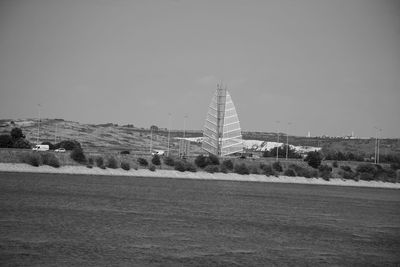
[223,169]
[277,166]
[142,162]
[180,166]
[51,160]
[152,167]
[254,169]
[366,176]
[289,172]
[348,175]
[267,170]
[346,168]
[32,159]
[335,164]
[90,161]
[213,159]
[228,164]
[200,161]
[125,166]
[112,163]
[89,166]
[156,160]
[313,159]
[211,168]
[241,169]
[303,172]
[325,171]
[367,168]
[169,161]
[100,162]
[190,167]
[78,155]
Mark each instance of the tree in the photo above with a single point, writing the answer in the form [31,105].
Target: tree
[22,143]
[313,159]
[16,133]
[78,155]
[154,128]
[6,140]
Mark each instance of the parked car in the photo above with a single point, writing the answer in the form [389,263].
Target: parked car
[61,149]
[158,152]
[41,148]
[124,152]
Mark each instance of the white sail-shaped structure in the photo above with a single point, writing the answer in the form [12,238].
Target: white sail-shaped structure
[222,134]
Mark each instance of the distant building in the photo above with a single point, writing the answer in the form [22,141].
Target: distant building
[222,134]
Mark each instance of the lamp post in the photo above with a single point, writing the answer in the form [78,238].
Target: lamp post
[376,158]
[287,140]
[151,139]
[38,135]
[277,142]
[378,153]
[169,132]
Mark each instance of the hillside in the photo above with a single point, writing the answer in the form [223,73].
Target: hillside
[114,138]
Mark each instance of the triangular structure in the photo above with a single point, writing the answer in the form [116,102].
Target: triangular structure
[222,134]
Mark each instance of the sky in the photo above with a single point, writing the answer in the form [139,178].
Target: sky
[324,67]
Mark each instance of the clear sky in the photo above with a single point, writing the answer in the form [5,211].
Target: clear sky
[328,67]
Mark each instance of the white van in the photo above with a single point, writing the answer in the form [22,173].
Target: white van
[41,148]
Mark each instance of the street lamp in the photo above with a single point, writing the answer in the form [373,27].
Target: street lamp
[169,132]
[287,140]
[376,158]
[38,135]
[277,142]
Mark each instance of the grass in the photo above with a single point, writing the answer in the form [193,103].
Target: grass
[95,220]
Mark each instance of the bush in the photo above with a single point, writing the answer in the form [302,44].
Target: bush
[125,166]
[90,161]
[303,172]
[213,159]
[267,170]
[190,167]
[366,168]
[325,171]
[241,169]
[156,160]
[228,164]
[211,168]
[142,162]
[100,162]
[335,164]
[169,161]
[180,166]
[33,159]
[254,170]
[223,169]
[277,166]
[346,168]
[112,163]
[348,175]
[200,161]
[51,160]
[366,176]
[289,172]
[78,155]
[313,159]
[152,167]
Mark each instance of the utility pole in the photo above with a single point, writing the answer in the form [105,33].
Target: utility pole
[277,142]
[378,153]
[55,135]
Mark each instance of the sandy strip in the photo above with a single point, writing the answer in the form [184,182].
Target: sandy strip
[22,167]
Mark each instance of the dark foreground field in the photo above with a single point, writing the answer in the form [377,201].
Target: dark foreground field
[93,220]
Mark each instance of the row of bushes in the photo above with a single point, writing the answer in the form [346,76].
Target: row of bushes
[37,159]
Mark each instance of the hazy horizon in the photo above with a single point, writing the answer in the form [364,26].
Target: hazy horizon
[327,67]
